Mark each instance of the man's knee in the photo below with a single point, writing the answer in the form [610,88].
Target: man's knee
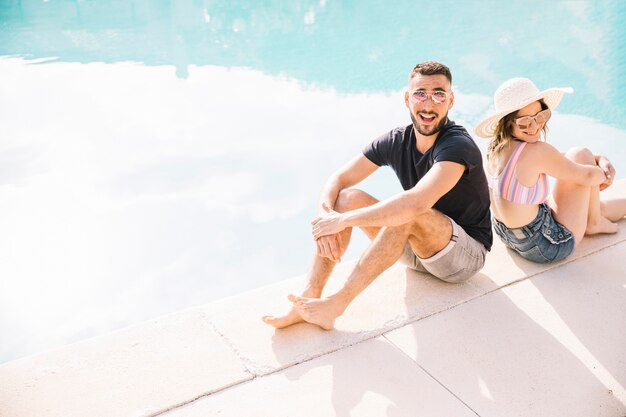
[352,199]
[429,223]
[581,156]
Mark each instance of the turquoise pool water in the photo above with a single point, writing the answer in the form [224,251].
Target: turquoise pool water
[156,155]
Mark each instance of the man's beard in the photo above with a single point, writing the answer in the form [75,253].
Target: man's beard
[436,128]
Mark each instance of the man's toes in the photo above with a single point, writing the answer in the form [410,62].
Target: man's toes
[277,322]
[298,301]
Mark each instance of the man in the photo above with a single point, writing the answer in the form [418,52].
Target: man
[440,224]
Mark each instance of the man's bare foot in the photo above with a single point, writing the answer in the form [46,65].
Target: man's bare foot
[603,225]
[320,311]
[288,319]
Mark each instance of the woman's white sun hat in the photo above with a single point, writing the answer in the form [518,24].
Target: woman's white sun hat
[513,95]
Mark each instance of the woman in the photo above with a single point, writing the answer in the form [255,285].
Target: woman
[540,226]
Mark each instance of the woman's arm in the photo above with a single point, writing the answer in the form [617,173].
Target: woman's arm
[555,164]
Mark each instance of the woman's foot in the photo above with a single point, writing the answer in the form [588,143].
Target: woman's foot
[603,225]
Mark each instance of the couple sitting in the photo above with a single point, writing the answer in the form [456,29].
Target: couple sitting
[441,223]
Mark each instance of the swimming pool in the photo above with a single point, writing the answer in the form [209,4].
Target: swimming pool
[156,155]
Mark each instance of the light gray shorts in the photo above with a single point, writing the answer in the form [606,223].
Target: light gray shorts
[463,257]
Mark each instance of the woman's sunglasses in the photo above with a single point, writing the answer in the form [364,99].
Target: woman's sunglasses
[540,119]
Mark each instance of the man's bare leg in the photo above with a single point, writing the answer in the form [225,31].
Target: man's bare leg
[322,267]
[429,234]
[318,276]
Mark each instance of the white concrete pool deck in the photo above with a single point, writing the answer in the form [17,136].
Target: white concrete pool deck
[518,339]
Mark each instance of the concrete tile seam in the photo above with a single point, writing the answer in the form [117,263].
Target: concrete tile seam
[253,378]
[431,375]
[367,335]
[324,353]
[245,362]
[446,308]
[198,397]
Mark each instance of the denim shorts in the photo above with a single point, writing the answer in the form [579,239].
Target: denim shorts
[462,258]
[542,240]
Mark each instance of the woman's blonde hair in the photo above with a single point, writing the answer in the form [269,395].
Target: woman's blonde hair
[504,132]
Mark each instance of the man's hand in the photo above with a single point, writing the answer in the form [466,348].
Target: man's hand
[606,165]
[327,224]
[330,247]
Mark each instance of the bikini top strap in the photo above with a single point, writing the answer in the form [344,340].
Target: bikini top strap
[512,162]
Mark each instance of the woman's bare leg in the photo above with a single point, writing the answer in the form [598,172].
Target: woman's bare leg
[596,221]
[613,209]
[578,207]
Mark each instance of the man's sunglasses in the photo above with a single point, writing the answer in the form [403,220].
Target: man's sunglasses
[437,96]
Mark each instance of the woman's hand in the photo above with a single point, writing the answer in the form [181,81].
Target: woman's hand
[609,171]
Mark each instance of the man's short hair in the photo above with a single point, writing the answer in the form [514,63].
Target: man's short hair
[431,68]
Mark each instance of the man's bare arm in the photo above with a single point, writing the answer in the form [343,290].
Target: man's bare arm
[399,209]
[350,174]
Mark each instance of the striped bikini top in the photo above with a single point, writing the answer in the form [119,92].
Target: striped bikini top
[507,186]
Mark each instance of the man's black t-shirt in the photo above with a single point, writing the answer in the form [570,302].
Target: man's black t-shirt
[467,203]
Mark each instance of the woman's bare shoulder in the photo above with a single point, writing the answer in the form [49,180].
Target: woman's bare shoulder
[542,149]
